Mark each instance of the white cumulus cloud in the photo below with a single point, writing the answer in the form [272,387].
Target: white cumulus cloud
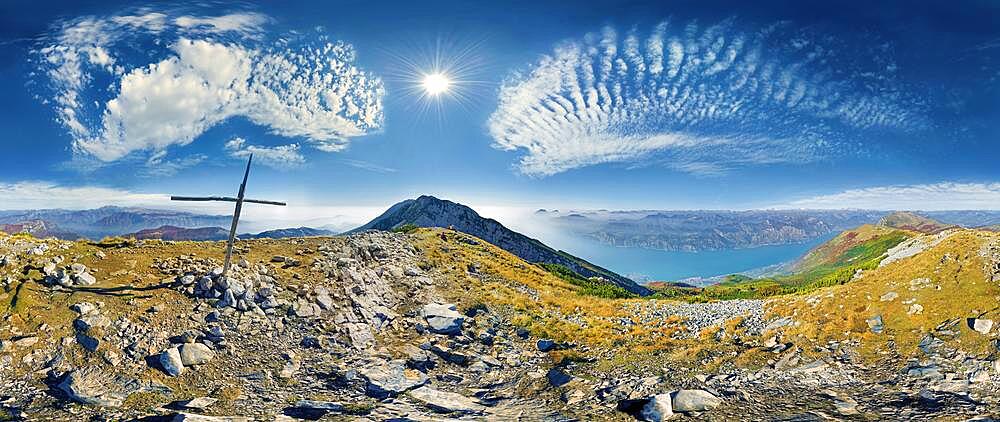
[925,197]
[213,68]
[699,99]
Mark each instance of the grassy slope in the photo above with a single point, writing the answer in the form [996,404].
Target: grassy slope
[958,288]
[832,263]
[128,287]
[550,305]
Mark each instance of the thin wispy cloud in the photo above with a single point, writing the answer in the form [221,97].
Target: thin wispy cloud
[696,98]
[281,157]
[159,166]
[369,166]
[205,70]
[42,194]
[925,197]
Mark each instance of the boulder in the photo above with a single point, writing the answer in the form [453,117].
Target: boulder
[545,344]
[98,386]
[391,379]
[693,401]
[445,402]
[558,378]
[323,298]
[443,319]
[171,362]
[658,408]
[91,320]
[228,299]
[195,354]
[982,326]
[85,279]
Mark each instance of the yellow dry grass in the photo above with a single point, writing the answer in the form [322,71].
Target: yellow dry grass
[955,287]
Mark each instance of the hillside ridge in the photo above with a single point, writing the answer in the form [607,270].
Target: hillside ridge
[428,211]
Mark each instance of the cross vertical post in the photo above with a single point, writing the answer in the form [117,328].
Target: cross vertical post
[239,200]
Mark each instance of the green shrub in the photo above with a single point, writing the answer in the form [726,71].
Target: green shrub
[405,228]
[590,287]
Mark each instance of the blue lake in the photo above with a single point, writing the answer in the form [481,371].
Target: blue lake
[669,265]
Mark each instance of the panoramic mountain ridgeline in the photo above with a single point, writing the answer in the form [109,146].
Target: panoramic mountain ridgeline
[711,210]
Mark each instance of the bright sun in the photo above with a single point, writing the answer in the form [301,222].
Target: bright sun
[436,83]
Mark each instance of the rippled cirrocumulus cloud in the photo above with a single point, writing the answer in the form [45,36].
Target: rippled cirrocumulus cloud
[700,99]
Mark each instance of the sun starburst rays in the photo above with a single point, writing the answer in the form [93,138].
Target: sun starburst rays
[431,78]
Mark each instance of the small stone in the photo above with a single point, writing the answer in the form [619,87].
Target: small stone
[88,342]
[198,403]
[875,324]
[846,407]
[889,297]
[83,308]
[25,342]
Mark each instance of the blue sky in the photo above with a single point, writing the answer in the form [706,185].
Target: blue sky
[624,105]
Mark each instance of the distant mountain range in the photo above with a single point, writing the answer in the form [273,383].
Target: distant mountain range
[109,221]
[428,211]
[722,230]
[180,233]
[140,223]
[218,233]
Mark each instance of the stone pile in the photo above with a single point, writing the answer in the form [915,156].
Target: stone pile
[247,288]
[67,276]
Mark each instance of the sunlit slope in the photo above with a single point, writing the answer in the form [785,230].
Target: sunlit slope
[914,222]
[933,291]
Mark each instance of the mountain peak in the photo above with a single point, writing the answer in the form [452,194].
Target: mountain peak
[429,211]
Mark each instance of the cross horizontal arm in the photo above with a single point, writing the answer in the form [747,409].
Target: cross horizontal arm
[224,199]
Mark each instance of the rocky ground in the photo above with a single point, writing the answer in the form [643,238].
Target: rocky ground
[365,328]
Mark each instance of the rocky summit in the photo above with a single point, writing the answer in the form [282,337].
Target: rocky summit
[438,325]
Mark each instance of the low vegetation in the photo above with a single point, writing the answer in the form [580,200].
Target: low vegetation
[935,290]
[592,286]
[833,263]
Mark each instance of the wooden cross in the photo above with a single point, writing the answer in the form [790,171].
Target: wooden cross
[239,200]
